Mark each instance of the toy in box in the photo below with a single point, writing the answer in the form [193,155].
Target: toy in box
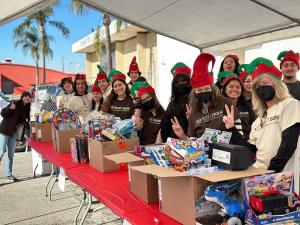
[157,154]
[270,199]
[64,119]
[211,136]
[224,202]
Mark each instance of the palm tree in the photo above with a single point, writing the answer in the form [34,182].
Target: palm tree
[41,18]
[106,23]
[98,43]
[30,42]
[79,9]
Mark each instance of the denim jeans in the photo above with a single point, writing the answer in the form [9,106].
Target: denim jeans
[8,143]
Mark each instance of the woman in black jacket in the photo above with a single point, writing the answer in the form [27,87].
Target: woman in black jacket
[181,89]
[15,115]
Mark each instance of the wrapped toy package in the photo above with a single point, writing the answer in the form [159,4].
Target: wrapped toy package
[64,127]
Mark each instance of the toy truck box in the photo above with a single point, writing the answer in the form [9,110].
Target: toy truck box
[270,199]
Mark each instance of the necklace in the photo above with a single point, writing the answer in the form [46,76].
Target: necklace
[205,113]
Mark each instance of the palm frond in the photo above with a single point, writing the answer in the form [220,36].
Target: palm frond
[78,8]
[60,26]
[118,25]
[98,45]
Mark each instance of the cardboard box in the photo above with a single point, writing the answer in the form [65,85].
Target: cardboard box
[33,130]
[61,139]
[144,186]
[100,154]
[178,191]
[43,132]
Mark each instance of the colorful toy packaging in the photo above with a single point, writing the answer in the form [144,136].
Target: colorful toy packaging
[187,156]
[211,136]
[45,116]
[270,199]
[124,126]
[157,154]
[64,119]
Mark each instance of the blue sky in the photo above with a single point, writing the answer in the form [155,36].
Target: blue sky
[79,26]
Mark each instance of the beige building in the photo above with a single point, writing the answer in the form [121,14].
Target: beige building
[156,55]
[130,41]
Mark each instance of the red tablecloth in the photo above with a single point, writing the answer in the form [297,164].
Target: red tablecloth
[109,188]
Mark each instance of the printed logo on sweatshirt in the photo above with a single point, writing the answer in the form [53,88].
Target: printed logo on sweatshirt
[244,114]
[211,116]
[154,121]
[120,109]
[273,119]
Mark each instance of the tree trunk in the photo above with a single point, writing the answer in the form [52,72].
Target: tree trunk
[106,23]
[42,35]
[37,76]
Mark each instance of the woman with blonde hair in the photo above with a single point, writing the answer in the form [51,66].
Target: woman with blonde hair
[275,132]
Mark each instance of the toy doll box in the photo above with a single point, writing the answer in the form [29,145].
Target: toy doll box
[270,199]
[101,154]
[177,191]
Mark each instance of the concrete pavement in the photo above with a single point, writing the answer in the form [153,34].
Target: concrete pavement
[24,202]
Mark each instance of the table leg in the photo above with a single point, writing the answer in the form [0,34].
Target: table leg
[80,207]
[87,209]
[56,179]
[35,170]
[52,171]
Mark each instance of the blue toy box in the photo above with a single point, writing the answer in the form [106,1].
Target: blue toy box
[266,187]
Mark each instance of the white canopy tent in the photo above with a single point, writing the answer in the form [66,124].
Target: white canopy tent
[13,9]
[210,25]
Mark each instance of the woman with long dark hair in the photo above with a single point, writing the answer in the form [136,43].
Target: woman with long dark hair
[230,63]
[81,102]
[246,77]
[119,102]
[181,89]
[15,115]
[97,100]
[232,87]
[152,112]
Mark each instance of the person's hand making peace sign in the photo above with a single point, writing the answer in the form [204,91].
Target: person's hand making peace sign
[178,129]
[229,119]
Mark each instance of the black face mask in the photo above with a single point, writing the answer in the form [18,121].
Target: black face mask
[148,104]
[182,88]
[204,97]
[266,92]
